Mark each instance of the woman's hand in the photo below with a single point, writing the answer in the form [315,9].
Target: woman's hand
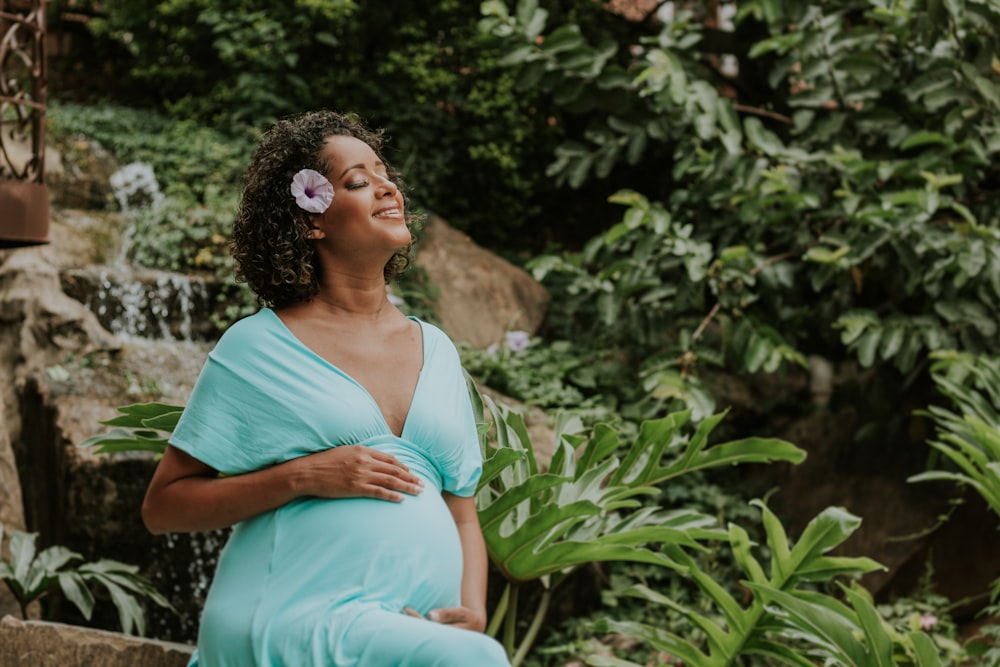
[355,471]
[461,617]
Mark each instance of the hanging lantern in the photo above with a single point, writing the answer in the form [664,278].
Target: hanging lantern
[24,197]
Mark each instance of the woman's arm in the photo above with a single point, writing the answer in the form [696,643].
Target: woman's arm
[472,614]
[185,495]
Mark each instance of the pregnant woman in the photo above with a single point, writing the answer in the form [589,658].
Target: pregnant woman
[343,430]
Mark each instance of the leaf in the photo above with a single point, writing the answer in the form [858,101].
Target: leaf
[747,450]
[133,416]
[867,347]
[826,531]
[496,462]
[22,552]
[777,541]
[76,591]
[564,38]
[767,141]
[925,137]
[829,629]
[54,558]
[661,639]
[120,440]
[130,614]
[876,631]
[927,653]
[777,651]
[739,540]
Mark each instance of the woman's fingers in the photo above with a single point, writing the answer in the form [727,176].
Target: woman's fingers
[351,471]
[461,617]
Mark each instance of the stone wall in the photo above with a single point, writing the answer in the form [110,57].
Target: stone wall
[42,644]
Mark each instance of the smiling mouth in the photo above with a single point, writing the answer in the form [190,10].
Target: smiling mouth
[389,213]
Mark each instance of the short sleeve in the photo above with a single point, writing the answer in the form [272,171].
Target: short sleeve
[452,433]
[233,420]
[461,477]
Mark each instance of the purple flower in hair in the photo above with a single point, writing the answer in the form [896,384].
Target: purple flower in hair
[312,191]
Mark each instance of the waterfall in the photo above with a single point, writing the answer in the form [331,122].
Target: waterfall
[135,302]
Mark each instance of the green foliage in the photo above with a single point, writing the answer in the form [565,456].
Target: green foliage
[249,58]
[540,526]
[141,427]
[458,129]
[542,373]
[182,153]
[787,620]
[970,438]
[198,171]
[32,575]
[849,186]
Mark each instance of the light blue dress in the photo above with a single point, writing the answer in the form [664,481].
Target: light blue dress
[322,583]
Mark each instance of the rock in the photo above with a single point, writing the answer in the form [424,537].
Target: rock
[39,326]
[42,644]
[482,296]
[11,506]
[80,175]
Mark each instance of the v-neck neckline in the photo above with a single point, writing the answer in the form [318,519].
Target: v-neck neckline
[357,383]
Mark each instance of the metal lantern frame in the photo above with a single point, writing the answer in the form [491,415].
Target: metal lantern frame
[24,197]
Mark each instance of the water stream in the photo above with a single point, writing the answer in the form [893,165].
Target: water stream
[136,302]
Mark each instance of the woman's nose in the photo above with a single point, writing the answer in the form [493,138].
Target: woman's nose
[387,186]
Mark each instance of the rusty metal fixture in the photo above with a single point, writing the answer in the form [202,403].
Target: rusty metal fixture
[24,197]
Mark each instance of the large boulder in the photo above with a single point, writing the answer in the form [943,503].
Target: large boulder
[482,296]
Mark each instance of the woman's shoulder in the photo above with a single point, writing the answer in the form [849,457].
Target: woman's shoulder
[248,330]
[433,334]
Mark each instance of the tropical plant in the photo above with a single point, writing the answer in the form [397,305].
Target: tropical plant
[787,619]
[32,575]
[140,427]
[541,526]
[969,438]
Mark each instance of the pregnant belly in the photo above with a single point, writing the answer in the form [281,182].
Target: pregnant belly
[395,554]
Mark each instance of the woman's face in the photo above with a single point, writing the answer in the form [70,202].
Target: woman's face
[367,208]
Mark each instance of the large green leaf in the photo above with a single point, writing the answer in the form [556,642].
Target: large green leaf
[877,631]
[137,415]
[835,632]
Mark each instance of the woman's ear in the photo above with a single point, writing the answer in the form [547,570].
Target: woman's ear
[315,233]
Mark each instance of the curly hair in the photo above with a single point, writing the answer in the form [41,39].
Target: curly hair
[269,245]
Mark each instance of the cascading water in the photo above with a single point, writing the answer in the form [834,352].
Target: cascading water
[137,302]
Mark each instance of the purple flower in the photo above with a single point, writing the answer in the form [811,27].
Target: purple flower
[517,340]
[927,622]
[312,191]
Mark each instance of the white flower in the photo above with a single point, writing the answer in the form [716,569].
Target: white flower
[517,340]
[312,191]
